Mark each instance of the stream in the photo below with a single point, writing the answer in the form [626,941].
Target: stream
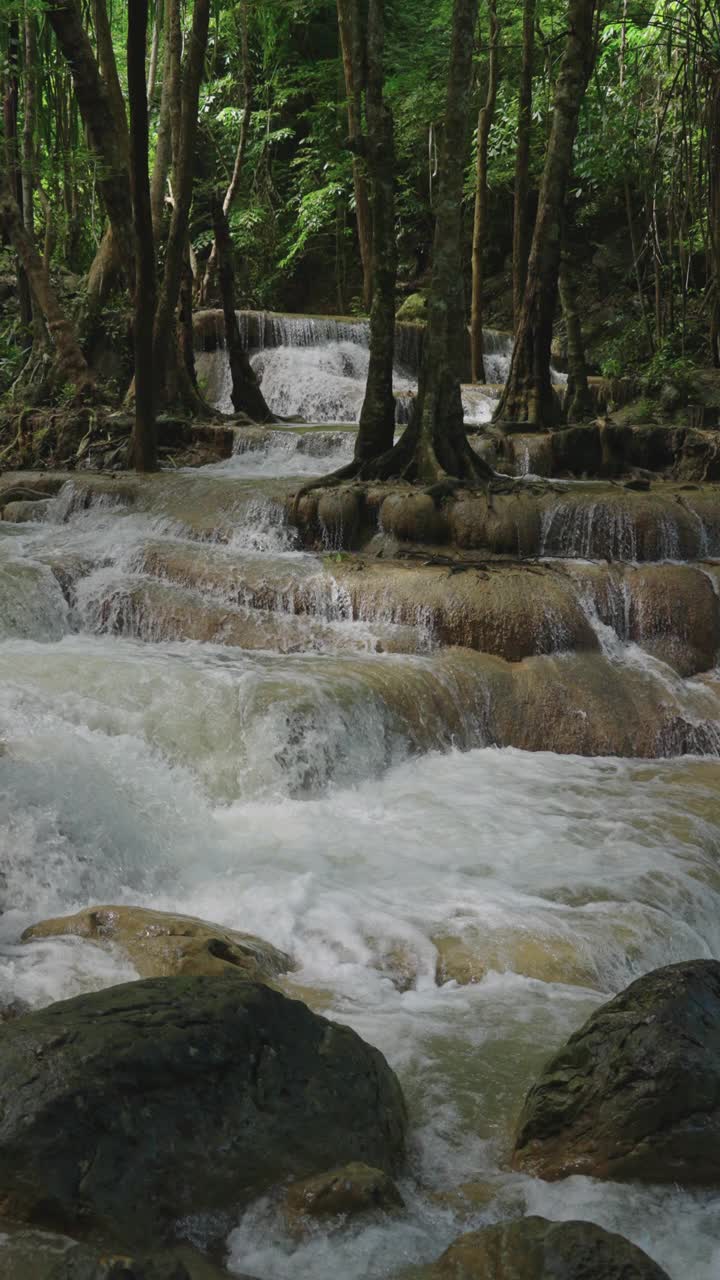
[329,784]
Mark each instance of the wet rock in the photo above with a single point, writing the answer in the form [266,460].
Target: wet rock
[413,517]
[129,1108]
[160,944]
[27,1253]
[635,1093]
[355,1189]
[12,1009]
[338,512]
[469,958]
[674,614]
[536,1249]
[22,512]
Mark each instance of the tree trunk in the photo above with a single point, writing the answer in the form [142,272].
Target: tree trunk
[164,327]
[71,366]
[578,405]
[377,417]
[528,395]
[348,29]
[713,152]
[521,210]
[29,124]
[246,394]
[155,52]
[109,72]
[99,116]
[234,184]
[169,97]
[485,120]
[434,448]
[11,101]
[143,444]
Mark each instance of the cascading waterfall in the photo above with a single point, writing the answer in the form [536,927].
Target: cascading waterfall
[198,715]
[315,368]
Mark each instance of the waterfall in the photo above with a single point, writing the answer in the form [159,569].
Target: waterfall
[315,367]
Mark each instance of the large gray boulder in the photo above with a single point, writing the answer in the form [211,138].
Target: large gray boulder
[536,1249]
[635,1093]
[123,1110]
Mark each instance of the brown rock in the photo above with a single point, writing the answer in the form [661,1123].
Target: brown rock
[355,1189]
[160,944]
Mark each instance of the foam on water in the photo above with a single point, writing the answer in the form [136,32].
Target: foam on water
[347,808]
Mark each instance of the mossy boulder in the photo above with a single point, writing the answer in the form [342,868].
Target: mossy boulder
[414,309]
[635,1093]
[356,1189]
[536,1249]
[124,1110]
[29,1254]
[160,944]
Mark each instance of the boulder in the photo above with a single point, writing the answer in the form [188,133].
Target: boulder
[635,1093]
[160,944]
[355,1189]
[536,1249]
[29,1254]
[549,958]
[23,511]
[123,1110]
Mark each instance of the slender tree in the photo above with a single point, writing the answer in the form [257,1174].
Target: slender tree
[185,129]
[521,203]
[528,396]
[143,447]
[578,404]
[349,30]
[169,97]
[480,221]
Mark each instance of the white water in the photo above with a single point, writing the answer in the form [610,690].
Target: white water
[294,795]
[315,369]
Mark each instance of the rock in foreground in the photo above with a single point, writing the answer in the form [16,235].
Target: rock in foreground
[123,1110]
[535,1249]
[160,944]
[29,1254]
[355,1189]
[635,1093]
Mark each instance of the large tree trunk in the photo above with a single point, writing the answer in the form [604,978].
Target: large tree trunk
[29,124]
[350,43]
[521,210]
[169,97]
[246,394]
[184,157]
[578,405]
[485,119]
[143,445]
[234,184]
[71,367]
[99,116]
[528,396]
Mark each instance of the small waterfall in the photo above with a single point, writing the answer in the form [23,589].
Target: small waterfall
[315,367]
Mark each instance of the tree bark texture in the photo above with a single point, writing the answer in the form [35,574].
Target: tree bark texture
[183,186]
[143,444]
[11,102]
[485,119]
[521,207]
[528,397]
[713,149]
[71,366]
[377,418]
[96,108]
[348,30]
[169,97]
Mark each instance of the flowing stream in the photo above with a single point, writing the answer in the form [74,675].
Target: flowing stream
[331,784]
[316,368]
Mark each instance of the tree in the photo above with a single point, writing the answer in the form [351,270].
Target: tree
[528,396]
[246,394]
[480,220]
[143,446]
[350,34]
[521,210]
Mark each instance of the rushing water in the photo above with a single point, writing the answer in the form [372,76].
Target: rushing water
[339,800]
[316,369]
